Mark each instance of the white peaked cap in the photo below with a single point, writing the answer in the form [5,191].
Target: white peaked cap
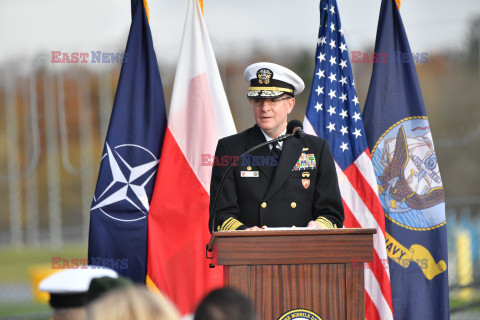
[270,80]
[74,280]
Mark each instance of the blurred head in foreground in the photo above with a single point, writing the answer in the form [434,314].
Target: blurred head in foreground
[225,304]
[69,288]
[132,302]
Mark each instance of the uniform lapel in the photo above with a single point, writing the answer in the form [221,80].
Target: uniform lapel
[257,137]
[290,153]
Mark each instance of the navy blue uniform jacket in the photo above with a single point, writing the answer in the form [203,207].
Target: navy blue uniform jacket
[261,191]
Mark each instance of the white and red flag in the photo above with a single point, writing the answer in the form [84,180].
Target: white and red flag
[178,217]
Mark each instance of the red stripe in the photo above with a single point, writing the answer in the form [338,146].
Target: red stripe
[369,197]
[380,272]
[367,152]
[366,193]
[376,266]
[371,312]
[350,221]
[178,232]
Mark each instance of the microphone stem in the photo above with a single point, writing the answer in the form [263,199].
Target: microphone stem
[222,182]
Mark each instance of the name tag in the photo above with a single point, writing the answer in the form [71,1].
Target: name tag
[249,174]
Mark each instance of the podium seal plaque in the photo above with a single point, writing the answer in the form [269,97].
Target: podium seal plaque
[300,314]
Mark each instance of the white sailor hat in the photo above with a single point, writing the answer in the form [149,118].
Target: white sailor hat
[270,80]
[68,288]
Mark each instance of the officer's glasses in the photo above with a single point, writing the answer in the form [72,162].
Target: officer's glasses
[269,102]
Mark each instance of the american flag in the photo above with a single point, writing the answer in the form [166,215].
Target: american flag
[333,113]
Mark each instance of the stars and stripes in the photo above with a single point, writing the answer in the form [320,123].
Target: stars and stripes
[333,113]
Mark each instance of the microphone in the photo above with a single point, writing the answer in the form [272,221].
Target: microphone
[222,182]
[295,128]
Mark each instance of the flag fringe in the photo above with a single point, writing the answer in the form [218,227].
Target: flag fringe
[147,11]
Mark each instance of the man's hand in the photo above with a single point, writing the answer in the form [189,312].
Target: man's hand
[315,225]
[255,228]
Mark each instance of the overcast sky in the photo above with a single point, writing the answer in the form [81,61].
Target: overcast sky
[30,27]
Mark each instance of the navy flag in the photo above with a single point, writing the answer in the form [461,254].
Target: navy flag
[118,220]
[408,178]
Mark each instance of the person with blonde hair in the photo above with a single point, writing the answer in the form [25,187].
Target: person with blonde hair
[132,303]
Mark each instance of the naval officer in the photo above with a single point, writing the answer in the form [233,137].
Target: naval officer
[290,183]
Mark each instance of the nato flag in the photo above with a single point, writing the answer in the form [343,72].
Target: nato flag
[408,178]
[118,218]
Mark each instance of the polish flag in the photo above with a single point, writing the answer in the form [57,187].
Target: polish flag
[178,216]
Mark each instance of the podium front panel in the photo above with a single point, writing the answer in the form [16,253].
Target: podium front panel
[277,289]
[280,271]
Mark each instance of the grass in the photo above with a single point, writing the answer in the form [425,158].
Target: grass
[15,262]
[472,305]
[16,265]
[12,309]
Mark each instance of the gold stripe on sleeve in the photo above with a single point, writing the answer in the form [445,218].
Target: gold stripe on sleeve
[326,223]
[230,224]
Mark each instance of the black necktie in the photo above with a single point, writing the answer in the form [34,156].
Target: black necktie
[276,149]
[274,153]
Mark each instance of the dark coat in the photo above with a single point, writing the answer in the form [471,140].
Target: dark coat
[260,195]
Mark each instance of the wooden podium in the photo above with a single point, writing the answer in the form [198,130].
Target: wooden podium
[282,270]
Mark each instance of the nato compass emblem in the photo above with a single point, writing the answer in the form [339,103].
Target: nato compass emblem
[125,182]
[409,182]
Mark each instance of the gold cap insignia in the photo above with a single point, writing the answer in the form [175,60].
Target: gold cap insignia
[264,75]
